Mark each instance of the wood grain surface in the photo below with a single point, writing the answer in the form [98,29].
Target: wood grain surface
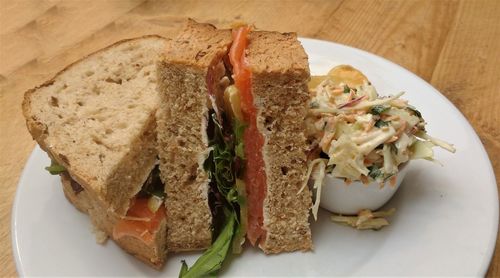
[453,44]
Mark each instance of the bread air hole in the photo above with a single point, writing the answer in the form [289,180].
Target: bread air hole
[284,170]
[97,141]
[89,73]
[54,102]
[96,90]
[192,176]
[268,122]
[116,81]
[80,103]
[181,143]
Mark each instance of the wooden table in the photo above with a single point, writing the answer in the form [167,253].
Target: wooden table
[454,45]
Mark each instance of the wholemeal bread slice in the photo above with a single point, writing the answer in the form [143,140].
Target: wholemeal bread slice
[103,222]
[97,119]
[182,137]
[280,73]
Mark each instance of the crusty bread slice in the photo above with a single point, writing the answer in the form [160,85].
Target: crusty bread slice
[104,221]
[280,73]
[97,119]
[182,137]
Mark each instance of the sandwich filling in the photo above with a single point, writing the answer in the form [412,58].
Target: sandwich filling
[254,175]
[146,212]
[235,164]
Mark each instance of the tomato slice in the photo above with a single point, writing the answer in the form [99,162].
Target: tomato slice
[146,225]
[255,175]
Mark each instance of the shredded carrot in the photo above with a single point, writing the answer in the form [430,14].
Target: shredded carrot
[364,179]
[393,180]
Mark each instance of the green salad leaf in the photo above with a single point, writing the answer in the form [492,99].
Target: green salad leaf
[211,261]
[184,269]
[55,168]
[153,185]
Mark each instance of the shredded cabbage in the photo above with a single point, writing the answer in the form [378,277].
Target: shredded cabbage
[364,136]
[375,131]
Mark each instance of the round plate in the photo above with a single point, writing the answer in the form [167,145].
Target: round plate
[445,224]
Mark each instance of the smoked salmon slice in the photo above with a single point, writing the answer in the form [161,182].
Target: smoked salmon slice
[254,176]
[140,222]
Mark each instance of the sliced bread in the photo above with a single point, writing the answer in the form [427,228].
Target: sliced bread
[97,117]
[280,73]
[182,134]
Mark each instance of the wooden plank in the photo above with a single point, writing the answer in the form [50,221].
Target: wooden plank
[16,14]
[42,61]
[282,16]
[57,28]
[410,33]
[467,72]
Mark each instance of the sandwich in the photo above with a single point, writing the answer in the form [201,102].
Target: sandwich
[183,144]
[96,121]
[231,144]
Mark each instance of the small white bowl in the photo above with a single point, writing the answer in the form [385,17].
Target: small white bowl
[349,199]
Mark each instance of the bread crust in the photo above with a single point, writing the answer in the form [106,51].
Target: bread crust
[143,146]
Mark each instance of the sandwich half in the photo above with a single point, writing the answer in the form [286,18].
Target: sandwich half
[230,138]
[96,121]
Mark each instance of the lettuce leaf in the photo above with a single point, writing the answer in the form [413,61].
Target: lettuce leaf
[55,168]
[211,261]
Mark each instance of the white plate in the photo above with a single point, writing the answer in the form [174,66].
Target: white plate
[446,220]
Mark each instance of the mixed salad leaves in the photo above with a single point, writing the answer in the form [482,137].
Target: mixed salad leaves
[224,166]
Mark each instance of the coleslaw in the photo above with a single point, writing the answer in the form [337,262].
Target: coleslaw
[360,135]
